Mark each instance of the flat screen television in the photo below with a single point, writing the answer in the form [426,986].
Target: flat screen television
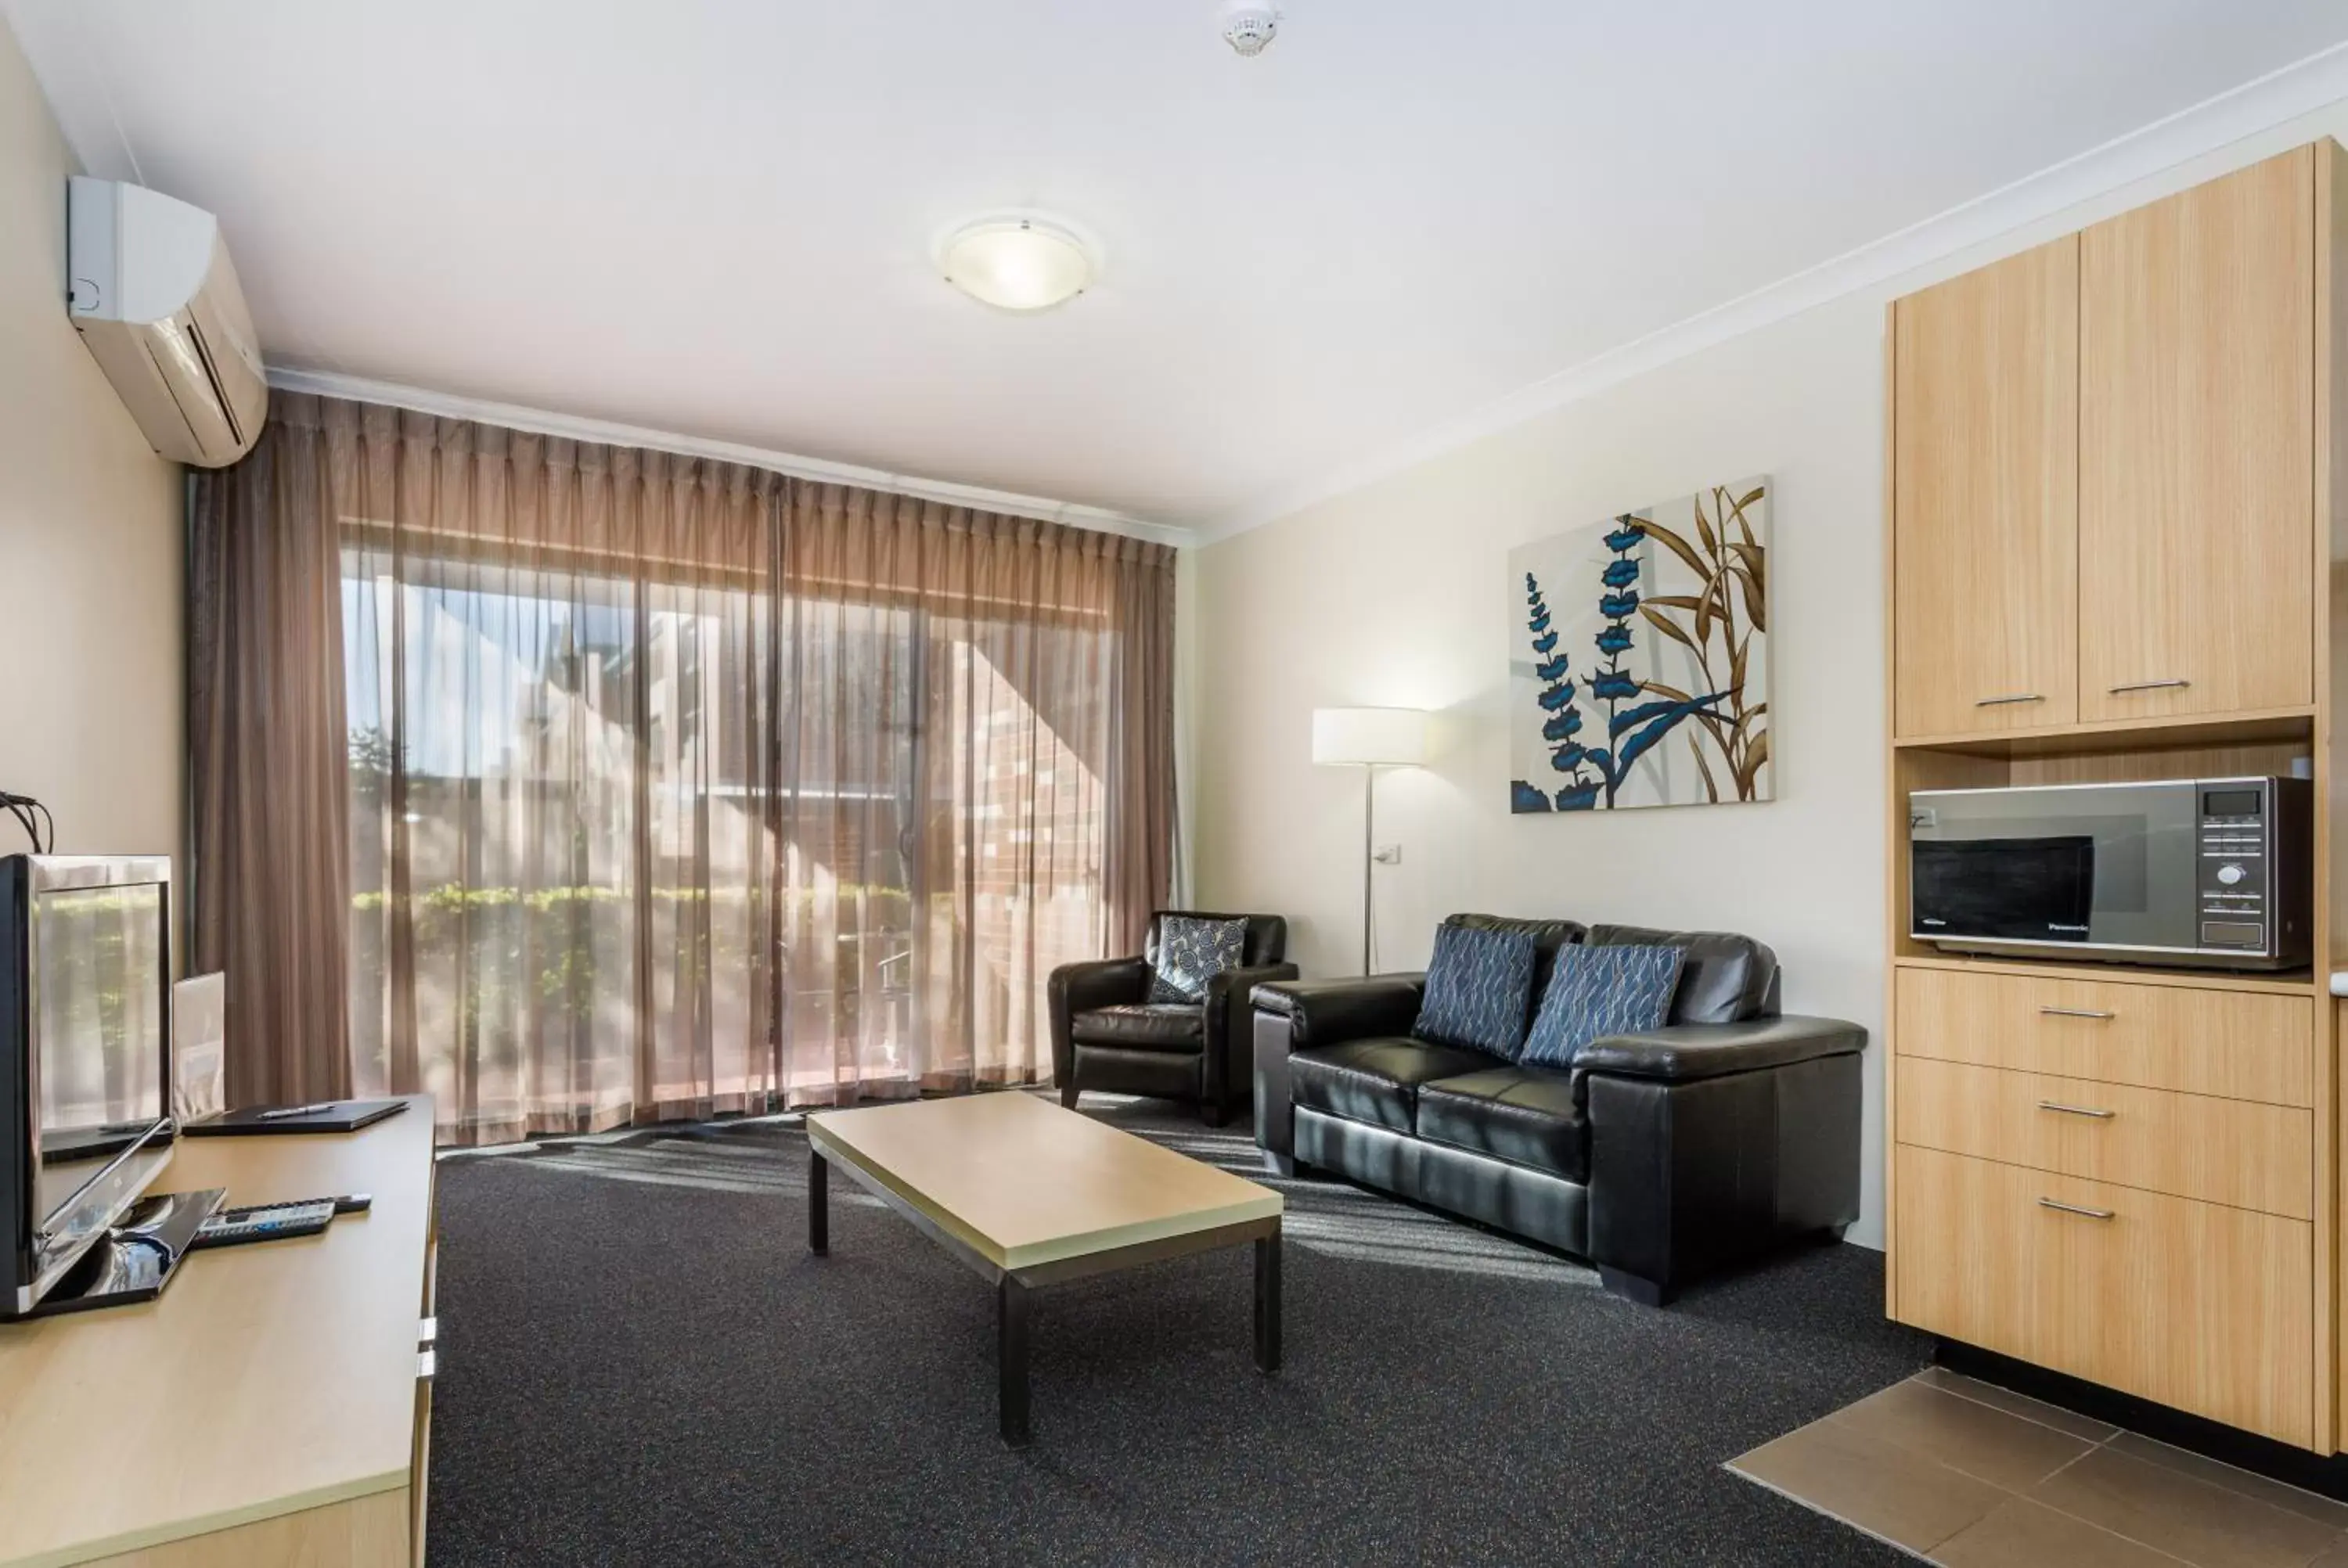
[85,1056]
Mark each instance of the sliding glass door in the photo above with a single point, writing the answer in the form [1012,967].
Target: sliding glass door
[624,848]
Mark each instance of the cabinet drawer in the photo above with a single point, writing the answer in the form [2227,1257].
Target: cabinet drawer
[2237,1045]
[2198,1307]
[2235,1152]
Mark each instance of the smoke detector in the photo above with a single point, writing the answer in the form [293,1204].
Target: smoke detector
[1249,28]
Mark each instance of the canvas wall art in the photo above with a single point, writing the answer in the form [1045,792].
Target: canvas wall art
[1639,674]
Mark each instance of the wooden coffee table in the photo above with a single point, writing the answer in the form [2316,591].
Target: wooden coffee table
[1030,1195]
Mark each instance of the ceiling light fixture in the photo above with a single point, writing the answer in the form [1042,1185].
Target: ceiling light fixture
[1016,262]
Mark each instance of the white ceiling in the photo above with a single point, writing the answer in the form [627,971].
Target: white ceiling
[715,217]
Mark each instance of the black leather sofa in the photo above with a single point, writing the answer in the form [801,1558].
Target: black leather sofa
[1108,1035]
[1660,1157]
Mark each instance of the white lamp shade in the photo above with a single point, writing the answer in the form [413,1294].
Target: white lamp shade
[1383,737]
[1016,263]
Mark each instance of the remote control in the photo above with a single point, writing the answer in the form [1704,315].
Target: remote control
[264,1221]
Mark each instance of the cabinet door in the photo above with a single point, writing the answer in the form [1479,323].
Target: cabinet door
[2197,418]
[1985,374]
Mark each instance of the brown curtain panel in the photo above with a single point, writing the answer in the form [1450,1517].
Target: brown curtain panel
[265,730]
[658,786]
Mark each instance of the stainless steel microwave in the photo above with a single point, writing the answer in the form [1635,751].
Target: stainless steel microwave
[2210,872]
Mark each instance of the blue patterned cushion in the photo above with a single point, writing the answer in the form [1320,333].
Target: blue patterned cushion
[1477,986]
[1598,991]
[1190,952]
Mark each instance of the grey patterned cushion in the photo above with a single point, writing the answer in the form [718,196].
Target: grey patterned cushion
[1190,952]
[1598,991]
[1477,986]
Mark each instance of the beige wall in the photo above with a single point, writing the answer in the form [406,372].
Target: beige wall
[1398,594]
[90,537]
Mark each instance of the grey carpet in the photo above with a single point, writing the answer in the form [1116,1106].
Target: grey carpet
[640,1363]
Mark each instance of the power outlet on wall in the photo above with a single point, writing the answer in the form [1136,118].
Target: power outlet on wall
[1387,854]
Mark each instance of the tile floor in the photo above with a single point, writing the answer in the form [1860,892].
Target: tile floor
[1966,1474]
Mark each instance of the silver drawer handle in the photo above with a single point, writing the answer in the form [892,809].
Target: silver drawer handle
[2148,686]
[2074,1209]
[2076,1110]
[2079,1012]
[2001,702]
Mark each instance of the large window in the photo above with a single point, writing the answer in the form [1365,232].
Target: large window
[620,846]
[580,783]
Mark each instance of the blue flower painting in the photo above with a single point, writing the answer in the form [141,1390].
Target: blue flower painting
[1640,673]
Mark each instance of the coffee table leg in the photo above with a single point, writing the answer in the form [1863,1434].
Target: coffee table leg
[1011,1320]
[1267,1303]
[818,1202]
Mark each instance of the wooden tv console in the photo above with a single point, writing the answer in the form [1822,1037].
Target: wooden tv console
[274,1407]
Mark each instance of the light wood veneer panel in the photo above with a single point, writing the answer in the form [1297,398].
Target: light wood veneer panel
[365,1533]
[272,1380]
[2197,1306]
[1986,497]
[2197,422]
[2235,1152]
[2237,1045]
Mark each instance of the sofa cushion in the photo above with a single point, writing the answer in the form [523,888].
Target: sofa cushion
[1374,1081]
[1267,935]
[1724,978]
[1519,1114]
[1548,936]
[1191,951]
[1144,1026]
[1595,991]
[1478,990]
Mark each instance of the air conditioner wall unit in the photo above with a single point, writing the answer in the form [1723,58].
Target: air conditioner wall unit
[155,300]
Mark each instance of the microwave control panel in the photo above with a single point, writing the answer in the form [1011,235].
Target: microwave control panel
[2236,878]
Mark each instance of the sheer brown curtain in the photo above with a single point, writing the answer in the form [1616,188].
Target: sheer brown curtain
[664,787]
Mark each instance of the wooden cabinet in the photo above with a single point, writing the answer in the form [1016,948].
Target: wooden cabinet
[2116,1178]
[1985,374]
[2233,1151]
[2113,497]
[2197,424]
[283,1411]
[2233,1044]
[2201,1307]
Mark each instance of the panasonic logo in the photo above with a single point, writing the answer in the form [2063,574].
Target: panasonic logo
[2052,927]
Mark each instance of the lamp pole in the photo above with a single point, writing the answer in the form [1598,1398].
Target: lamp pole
[1369,859]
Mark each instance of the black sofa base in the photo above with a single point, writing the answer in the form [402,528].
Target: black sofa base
[1724,1172]
[1541,1207]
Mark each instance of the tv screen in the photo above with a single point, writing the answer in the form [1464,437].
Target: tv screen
[85,1056]
[99,996]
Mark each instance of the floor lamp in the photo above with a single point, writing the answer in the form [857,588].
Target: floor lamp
[1369,739]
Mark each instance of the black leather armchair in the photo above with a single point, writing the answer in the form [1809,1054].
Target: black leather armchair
[1108,1035]
[1660,1156]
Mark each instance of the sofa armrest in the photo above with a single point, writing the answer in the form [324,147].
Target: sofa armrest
[1328,1012]
[1230,1039]
[1685,1052]
[1297,1015]
[1711,1142]
[1080,988]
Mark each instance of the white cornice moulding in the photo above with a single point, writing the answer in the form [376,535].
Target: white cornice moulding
[541,422]
[2281,95]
